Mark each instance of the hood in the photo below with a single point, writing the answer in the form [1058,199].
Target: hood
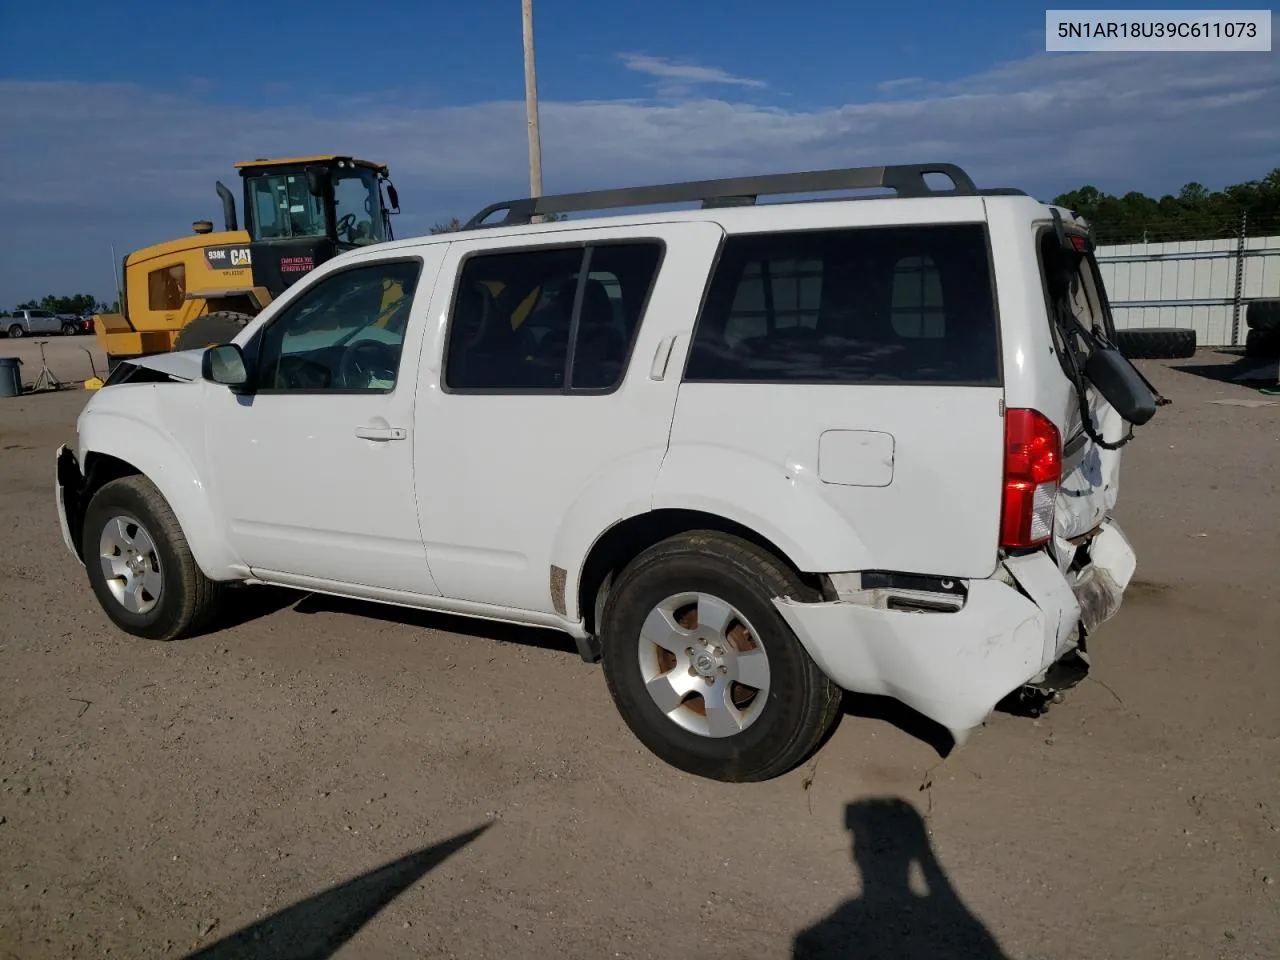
[180,364]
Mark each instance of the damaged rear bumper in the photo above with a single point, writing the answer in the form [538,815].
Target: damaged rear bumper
[954,667]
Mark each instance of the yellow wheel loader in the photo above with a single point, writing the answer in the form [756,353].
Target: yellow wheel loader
[203,288]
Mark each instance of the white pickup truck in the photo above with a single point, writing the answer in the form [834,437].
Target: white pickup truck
[27,323]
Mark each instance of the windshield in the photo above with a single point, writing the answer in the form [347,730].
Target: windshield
[282,206]
[357,206]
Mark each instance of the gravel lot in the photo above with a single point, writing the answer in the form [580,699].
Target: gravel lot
[330,779]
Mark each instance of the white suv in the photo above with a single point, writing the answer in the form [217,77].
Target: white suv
[749,455]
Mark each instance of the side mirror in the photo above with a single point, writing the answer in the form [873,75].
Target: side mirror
[317,180]
[225,364]
[1121,385]
[393,197]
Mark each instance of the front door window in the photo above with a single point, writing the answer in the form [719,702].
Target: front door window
[343,334]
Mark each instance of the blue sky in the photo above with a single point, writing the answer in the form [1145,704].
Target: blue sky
[117,118]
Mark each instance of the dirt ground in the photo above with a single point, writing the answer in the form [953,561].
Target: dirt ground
[340,779]
[72,360]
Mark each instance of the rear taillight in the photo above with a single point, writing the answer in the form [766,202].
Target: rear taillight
[1032,473]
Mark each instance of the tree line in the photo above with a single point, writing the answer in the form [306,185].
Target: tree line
[1194,213]
[79,304]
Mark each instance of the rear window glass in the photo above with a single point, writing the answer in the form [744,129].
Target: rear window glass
[1073,288]
[864,305]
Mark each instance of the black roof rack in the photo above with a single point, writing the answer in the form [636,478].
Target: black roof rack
[907,180]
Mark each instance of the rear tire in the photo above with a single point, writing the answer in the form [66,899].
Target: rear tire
[212,329]
[772,706]
[16,331]
[140,565]
[1157,343]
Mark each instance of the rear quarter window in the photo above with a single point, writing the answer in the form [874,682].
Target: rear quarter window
[891,305]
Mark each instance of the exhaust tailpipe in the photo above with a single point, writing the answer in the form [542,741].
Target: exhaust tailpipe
[228,207]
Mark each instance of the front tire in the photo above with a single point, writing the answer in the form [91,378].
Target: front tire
[702,667]
[16,330]
[140,565]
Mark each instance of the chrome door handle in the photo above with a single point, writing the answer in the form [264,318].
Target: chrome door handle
[381,433]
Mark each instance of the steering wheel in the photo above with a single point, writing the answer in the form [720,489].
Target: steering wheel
[366,361]
[345,224]
[296,373]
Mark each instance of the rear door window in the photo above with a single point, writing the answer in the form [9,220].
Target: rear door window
[911,304]
[522,322]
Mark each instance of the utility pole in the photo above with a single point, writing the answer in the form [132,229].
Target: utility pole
[531,103]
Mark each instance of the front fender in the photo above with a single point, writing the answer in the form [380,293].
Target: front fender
[157,456]
[784,506]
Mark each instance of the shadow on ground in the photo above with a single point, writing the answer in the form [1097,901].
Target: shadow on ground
[248,603]
[429,620]
[890,920]
[244,604]
[898,714]
[317,927]
[1236,369]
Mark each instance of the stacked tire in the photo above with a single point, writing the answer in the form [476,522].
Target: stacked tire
[1157,343]
[1263,320]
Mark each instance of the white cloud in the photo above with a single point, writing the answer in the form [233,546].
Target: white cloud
[680,77]
[91,163]
[902,83]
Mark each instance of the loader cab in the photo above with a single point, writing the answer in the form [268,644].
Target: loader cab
[300,212]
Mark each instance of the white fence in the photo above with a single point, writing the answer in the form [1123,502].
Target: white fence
[1204,284]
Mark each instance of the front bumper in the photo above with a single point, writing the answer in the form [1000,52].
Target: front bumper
[954,667]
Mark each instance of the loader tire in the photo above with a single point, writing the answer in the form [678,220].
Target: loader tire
[1156,343]
[211,330]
